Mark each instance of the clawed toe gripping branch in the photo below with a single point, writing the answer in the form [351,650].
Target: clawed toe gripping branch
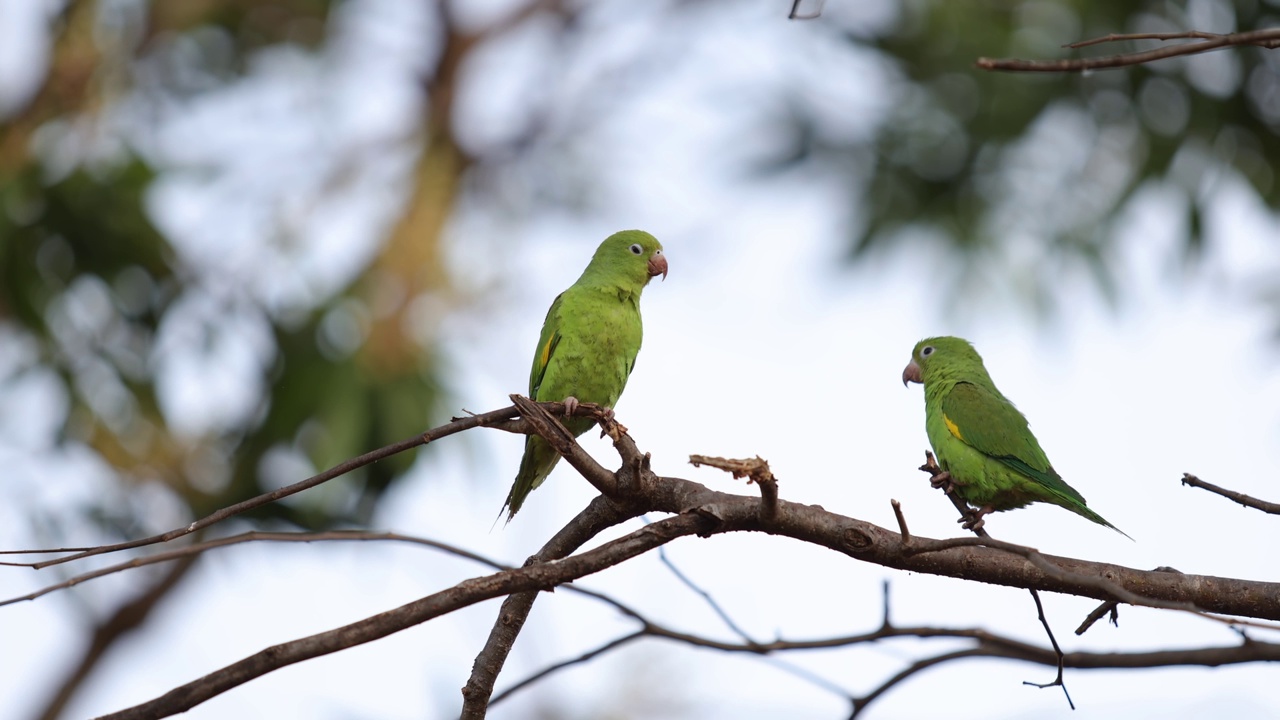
[691,509]
[970,518]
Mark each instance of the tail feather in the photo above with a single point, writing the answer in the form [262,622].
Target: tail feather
[538,461]
[1085,512]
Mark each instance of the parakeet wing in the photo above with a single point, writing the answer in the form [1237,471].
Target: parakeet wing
[546,347]
[993,426]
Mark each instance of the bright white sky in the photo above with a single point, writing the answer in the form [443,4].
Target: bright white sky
[760,342]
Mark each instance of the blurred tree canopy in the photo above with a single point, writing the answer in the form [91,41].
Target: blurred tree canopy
[129,298]
[1018,173]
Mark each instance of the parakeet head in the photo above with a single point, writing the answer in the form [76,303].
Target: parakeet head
[628,258]
[940,356]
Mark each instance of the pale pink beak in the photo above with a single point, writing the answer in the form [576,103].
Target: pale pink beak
[658,266]
[911,374]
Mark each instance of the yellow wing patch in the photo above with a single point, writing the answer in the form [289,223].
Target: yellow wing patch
[545,357]
[952,427]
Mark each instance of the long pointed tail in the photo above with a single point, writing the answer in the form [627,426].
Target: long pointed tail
[1086,512]
[538,461]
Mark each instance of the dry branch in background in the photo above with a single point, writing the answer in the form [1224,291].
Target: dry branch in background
[1268,38]
[1245,500]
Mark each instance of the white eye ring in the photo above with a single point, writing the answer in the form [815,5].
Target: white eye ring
[926,351]
[636,249]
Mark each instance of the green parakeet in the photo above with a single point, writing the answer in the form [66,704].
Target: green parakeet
[589,344]
[980,438]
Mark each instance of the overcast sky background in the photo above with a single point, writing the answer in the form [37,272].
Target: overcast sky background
[762,341]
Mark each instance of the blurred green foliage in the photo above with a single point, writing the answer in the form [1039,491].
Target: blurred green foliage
[87,276]
[1020,175]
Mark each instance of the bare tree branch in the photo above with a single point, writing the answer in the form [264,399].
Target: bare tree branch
[504,419]
[535,577]
[1112,608]
[706,512]
[1245,500]
[860,704]
[552,669]
[755,470]
[597,516]
[1057,652]
[127,618]
[986,644]
[1268,38]
[456,426]
[706,597]
[251,536]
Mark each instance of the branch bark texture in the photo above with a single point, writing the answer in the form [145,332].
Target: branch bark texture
[696,509]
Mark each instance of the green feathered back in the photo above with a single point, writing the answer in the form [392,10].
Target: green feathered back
[588,346]
[982,439]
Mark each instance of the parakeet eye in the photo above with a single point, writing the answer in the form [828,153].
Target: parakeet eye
[926,351]
[636,249]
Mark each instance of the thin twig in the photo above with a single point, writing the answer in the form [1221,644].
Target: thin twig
[1057,652]
[1268,38]
[455,426]
[902,521]
[706,597]
[1112,608]
[795,11]
[1245,500]
[1108,607]
[863,702]
[551,669]
[503,419]
[42,551]
[251,536]
[1124,37]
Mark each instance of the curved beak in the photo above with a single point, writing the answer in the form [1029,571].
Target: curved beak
[658,266]
[911,374]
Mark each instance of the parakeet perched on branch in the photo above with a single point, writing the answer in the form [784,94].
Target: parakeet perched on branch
[589,344]
[980,438]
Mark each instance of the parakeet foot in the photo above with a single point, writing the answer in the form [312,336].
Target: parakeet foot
[973,520]
[571,406]
[943,480]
